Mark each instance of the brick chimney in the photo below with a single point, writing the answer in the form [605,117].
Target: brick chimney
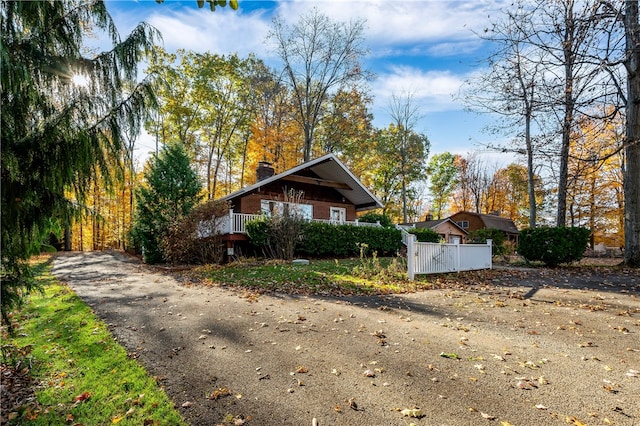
[264,171]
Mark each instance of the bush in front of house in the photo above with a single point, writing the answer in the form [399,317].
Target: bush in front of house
[497,237]
[322,240]
[425,235]
[380,218]
[196,238]
[553,245]
[325,240]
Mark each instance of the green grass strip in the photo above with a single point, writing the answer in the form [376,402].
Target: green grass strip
[84,376]
[336,277]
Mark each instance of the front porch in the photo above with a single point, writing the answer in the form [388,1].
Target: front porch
[233,227]
[235,224]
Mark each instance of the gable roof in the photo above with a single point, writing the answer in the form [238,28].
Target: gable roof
[492,221]
[329,168]
[432,224]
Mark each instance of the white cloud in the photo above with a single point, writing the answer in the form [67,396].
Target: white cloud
[432,90]
[408,22]
[221,32]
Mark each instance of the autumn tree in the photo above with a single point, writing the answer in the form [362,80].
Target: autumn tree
[56,134]
[319,57]
[347,125]
[385,174]
[207,102]
[404,115]
[595,198]
[442,173]
[275,132]
[472,183]
[507,194]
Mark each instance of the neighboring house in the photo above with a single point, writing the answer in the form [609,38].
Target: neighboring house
[470,222]
[329,193]
[448,230]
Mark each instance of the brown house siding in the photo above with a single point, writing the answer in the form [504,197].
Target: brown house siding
[250,204]
[475,222]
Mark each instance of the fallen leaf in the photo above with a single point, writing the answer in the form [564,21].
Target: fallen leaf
[83,396]
[451,355]
[369,373]
[541,407]
[352,404]
[487,416]
[574,421]
[187,404]
[412,412]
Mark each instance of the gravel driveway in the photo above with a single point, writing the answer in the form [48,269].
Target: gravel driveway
[530,348]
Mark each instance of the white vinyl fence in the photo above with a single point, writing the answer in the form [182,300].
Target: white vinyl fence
[434,258]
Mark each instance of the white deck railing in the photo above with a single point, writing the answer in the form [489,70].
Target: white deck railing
[236,223]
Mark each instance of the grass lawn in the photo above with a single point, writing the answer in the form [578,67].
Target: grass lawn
[325,277]
[84,377]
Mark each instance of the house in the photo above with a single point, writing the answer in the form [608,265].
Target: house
[328,192]
[448,230]
[470,221]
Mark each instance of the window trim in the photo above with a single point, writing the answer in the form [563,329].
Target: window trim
[342,212]
[267,208]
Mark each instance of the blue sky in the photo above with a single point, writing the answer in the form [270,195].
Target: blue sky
[424,47]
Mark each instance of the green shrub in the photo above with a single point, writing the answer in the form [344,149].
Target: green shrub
[497,237]
[258,232]
[321,240]
[380,218]
[553,246]
[425,235]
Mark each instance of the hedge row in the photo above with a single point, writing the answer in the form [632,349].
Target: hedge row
[325,240]
[425,235]
[553,246]
[321,239]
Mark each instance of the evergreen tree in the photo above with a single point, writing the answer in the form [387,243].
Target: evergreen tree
[170,191]
[55,132]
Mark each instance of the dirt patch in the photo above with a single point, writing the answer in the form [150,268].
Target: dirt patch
[514,346]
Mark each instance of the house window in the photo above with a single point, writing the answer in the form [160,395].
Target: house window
[271,208]
[464,224]
[338,214]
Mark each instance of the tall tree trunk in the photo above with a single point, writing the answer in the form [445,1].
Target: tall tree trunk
[632,148]
[67,234]
[531,189]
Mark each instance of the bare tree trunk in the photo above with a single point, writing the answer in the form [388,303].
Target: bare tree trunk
[569,44]
[531,189]
[632,148]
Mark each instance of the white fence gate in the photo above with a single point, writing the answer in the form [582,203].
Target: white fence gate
[434,258]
